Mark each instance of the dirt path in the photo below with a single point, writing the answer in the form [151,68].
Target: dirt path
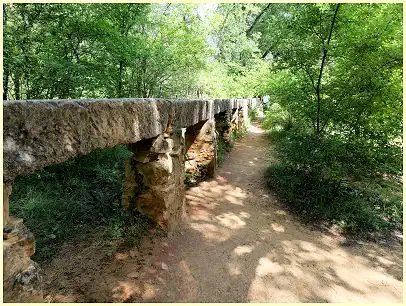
[236,245]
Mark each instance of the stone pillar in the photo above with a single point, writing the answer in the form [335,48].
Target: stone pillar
[223,126]
[21,276]
[234,120]
[241,119]
[245,116]
[154,179]
[201,150]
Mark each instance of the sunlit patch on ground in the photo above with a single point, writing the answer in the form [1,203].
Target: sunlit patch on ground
[236,244]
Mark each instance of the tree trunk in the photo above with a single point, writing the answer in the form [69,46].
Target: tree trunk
[6,70]
[17,87]
[323,61]
[120,81]
[248,32]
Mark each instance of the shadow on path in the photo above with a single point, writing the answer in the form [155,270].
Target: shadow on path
[236,245]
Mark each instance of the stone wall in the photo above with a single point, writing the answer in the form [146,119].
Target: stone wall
[41,133]
[45,132]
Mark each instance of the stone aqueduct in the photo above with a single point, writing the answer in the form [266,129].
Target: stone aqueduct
[161,133]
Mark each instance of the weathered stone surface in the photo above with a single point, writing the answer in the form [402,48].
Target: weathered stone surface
[41,133]
[21,278]
[26,286]
[223,126]
[201,149]
[6,204]
[17,253]
[155,185]
[38,133]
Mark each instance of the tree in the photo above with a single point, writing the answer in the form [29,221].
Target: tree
[102,50]
[342,61]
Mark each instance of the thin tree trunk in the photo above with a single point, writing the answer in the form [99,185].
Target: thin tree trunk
[120,80]
[17,87]
[6,70]
[266,52]
[144,72]
[323,61]
[5,84]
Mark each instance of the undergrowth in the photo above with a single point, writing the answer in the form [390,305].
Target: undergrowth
[338,182]
[223,146]
[194,178]
[67,200]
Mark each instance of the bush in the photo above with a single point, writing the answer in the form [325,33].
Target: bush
[253,113]
[277,118]
[354,207]
[331,179]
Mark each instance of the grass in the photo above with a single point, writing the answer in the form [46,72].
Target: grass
[63,201]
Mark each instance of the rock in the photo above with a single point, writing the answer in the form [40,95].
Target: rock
[9,233]
[13,239]
[190,165]
[191,155]
[134,274]
[133,253]
[164,266]
[162,145]
[26,286]
[143,157]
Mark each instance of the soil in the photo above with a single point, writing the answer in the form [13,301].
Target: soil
[236,244]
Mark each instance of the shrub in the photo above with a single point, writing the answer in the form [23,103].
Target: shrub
[276,118]
[349,183]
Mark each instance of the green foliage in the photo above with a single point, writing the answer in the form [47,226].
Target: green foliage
[192,178]
[276,118]
[336,113]
[333,73]
[237,134]
[131,50]
[332,180]
[102,50]
[222,148]
[359,89]
[359,207]
[66,200]
[253,113]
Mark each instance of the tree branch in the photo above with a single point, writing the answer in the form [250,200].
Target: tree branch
[310,76]
[323,61]
[248,32]
[266,53]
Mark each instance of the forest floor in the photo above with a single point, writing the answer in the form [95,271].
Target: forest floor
[236,244]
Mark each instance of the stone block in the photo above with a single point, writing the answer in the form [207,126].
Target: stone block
[162,145]
[26,286]
[155,186]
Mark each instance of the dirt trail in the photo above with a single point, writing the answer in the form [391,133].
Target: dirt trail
[237,244]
